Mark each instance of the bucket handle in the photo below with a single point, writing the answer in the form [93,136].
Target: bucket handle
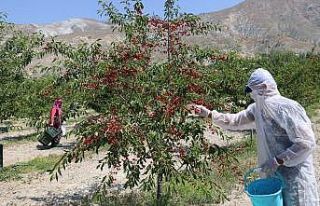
[257,170]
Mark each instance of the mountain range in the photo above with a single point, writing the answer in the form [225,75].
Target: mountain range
[253,26]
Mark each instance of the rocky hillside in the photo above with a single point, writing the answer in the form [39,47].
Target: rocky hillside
[264,25]
[75,30]
[251,27]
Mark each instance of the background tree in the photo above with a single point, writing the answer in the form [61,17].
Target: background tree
[16,51]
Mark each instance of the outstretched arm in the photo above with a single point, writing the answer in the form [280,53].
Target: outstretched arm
[243,120]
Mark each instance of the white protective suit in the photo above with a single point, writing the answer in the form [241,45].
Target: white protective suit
[284,130]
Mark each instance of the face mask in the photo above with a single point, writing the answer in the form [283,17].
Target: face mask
[255,94]
[252,96]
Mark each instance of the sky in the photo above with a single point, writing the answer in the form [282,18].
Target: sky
[50,11]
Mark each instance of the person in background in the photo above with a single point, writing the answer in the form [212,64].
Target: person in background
[56,114]
[56,120]
[285,139]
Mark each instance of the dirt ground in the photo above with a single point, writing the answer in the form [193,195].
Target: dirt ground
[79,179]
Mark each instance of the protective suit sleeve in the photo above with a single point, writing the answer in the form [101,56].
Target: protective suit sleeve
[299,130]
[243,120]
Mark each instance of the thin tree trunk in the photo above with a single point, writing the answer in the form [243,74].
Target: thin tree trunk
[1,156]
[159,188]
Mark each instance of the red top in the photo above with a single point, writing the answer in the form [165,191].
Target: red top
[55,117]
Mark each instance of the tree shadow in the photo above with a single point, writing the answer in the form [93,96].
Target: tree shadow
[50,199]
[62,146]
[19,137]
[82,197]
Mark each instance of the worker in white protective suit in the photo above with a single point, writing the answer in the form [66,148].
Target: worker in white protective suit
[285,138]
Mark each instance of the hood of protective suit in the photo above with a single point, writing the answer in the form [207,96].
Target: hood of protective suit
[262,84]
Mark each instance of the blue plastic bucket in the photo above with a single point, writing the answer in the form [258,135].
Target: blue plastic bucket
[264,191]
